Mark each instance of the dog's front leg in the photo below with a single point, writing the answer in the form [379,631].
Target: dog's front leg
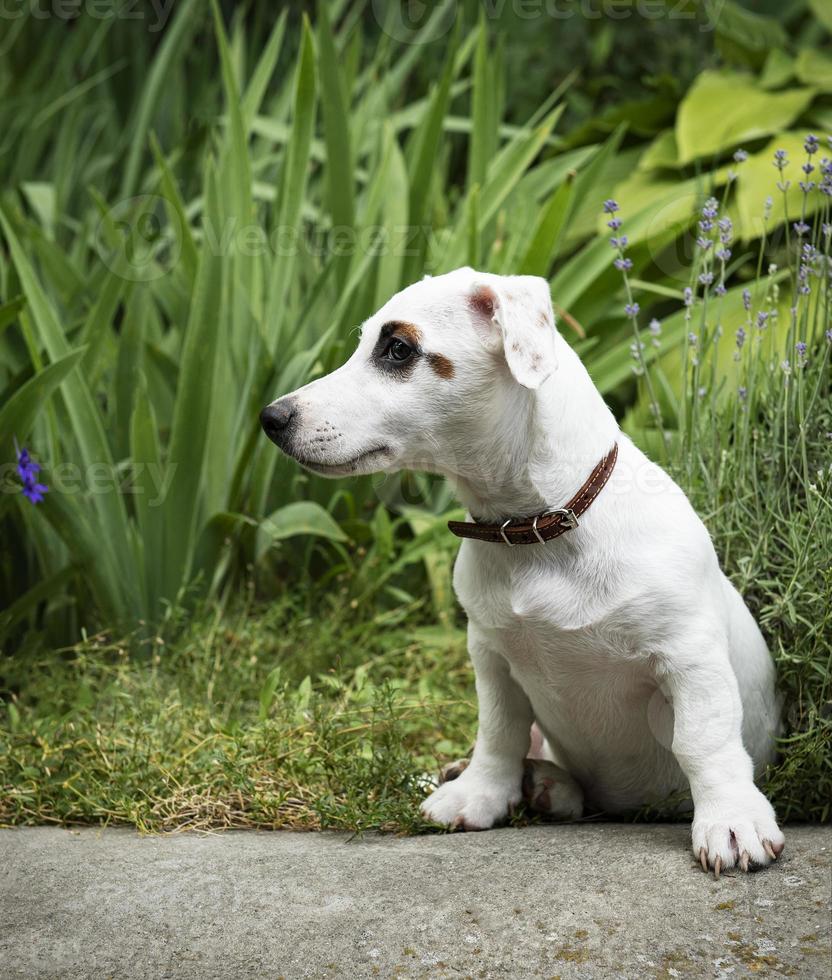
[491,785]
[733,823]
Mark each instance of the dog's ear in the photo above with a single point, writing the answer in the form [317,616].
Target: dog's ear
[515,313]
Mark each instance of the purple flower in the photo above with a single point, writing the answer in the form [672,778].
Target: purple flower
[614,223]
[704,243]
[746,299]
[710,208]
[720,289]
[610,206]
[741,156]
[623,265]
[810,144]
[762,318]
[723,254]
[807,168]
[740,337]
[780,159]
[801,228]
[800,347]
[829,336]
[706,278]
[688,296]
[743,393]
[655,327]
[28,470]
[692,339]
[631,309]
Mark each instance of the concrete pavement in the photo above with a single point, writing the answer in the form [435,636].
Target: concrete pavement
[575,901]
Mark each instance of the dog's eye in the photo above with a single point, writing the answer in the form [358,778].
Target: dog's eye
[399,351]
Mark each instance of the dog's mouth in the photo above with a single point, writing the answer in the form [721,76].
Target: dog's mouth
[366,462]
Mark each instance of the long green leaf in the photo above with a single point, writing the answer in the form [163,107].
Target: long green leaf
[188,442]
[18,414]
[295,164]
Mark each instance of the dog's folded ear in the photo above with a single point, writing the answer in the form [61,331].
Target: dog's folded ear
[515,313]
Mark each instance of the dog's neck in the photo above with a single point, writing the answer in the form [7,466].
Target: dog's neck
[541,448]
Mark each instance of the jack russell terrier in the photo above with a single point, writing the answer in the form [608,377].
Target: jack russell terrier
[602,630]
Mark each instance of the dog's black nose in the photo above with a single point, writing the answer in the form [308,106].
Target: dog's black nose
[277,420]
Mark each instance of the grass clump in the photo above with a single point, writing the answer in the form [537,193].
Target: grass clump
[223,728]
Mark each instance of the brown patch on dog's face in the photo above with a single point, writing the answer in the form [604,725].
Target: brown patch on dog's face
[543,319]
[441,366]
[407,331]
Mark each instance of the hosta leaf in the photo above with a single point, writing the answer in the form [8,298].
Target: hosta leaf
[724,108]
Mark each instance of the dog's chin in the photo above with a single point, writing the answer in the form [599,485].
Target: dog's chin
[375,460]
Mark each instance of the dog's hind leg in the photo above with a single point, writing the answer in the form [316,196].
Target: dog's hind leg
[548,789]
[551,791]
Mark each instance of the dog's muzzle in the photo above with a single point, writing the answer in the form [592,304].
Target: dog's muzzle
[279,420]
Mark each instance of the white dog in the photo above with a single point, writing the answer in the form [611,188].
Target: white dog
[620,637]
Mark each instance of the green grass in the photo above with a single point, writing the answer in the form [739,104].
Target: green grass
[225,727]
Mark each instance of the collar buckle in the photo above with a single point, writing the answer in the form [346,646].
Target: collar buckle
[568,517]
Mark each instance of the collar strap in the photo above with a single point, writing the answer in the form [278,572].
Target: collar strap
[543,527]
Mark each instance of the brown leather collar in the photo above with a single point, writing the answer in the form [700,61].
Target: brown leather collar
[543,527]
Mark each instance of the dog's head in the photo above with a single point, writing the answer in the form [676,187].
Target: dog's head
[434,371]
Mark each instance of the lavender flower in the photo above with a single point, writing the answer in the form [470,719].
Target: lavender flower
[614,223]
[746,299]
[623,265]
[706,278]
[811,144]
[610,206]
[688,296]
[762,319]
[800,347]
[801,228]
[632,309]
[28,470]
[655,327]
[741,156]
[720,290]
[742,392]
[692,339]
[780,160]
[740,337]
[828,336]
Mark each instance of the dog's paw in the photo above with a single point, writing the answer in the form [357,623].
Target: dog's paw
[738,829]
[551,791]
[471,802]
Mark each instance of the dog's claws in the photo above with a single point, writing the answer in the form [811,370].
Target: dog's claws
[717,867]
[703,859]
[769,850]
[745,857]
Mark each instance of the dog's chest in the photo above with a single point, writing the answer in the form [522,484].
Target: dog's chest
[536,601]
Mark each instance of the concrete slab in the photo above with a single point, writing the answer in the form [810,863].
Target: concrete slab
[577,901]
